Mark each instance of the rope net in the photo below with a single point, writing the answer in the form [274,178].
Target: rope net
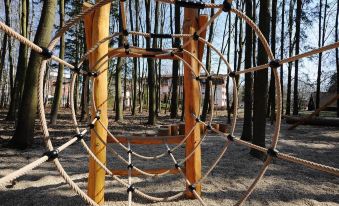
[53,154]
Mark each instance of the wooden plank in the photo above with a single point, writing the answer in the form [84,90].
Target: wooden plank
[99,30]
[152,171]
[139,52]
[150,140]
[192,94]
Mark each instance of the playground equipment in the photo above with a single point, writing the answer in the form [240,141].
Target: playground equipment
[96,18]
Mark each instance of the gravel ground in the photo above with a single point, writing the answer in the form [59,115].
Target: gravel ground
[284,183]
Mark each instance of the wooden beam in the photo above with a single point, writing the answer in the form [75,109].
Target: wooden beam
[152,140]
[96,31]
[192,96]
[139,52]
[86,5]
[315,113]
[152,171]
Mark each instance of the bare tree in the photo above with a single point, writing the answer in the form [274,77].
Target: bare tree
[248,99]
[261,83]
[24,132]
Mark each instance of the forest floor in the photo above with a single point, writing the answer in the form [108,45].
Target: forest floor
[284,183]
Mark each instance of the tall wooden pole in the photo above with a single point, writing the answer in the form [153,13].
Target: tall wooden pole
[192,95]
[97,28]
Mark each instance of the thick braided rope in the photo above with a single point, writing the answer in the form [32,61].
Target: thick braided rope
[293,58]
[96,46]
[75,20]
[184,176]
[130,193]
[289,158]
[110,135]
[29,43]
[48,142]
[255,182]
[122,182]
[24,170]
[123,160]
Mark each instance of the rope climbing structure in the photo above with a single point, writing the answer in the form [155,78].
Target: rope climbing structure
[96,21]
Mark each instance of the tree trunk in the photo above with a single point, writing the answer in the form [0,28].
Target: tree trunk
[24,133]
[175,67]
[156,61]
[297,50]
[248,100]
[208,67]
[21,65]
[118,84]
[260,83]
[125,90]
[228,102]
[254,60]
[151,69]
[5,39]
[60,78]
[271,98]
[135,60]
[282,39]
[322,32]
[337,53]
[290,53]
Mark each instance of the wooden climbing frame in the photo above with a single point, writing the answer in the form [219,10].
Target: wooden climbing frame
[96,29]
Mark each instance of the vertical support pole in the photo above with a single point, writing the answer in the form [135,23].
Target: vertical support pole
[192,96]
[97,28]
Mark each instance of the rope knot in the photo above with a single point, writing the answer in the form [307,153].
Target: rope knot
[131,188]
[91,126]
[275,63]
[209,126]
[127,47]
[130,166]
[46,53]
[97,116]
[272,152]
[191,188]
[196,36]
[231,138]
[226,6]
[92,74]
[232,74]
[79,136]
[52,155]
[125,32]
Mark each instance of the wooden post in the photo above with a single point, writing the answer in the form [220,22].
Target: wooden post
[97,28]
[192,95]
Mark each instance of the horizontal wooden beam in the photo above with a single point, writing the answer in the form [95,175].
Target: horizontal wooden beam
[148,140]
[86,5]
[151,171]
[141,53]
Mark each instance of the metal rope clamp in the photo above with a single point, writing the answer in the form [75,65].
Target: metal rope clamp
[46,53]
[131,188]
[226,6]
[272,152]
[52,155]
